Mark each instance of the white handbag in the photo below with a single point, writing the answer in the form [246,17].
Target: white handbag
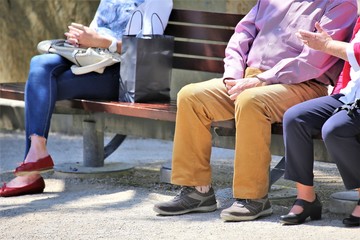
[85,59]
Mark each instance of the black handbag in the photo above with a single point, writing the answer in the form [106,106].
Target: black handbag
[146,64]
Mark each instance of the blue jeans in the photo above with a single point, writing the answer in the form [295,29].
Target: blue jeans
[50,79]
[340,133]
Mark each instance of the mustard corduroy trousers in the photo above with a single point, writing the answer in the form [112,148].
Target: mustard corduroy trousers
[254,110]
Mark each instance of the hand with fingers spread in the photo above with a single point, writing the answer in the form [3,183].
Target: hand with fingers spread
[322,41]
[316,40]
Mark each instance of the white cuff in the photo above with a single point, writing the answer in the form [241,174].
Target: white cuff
[113,46]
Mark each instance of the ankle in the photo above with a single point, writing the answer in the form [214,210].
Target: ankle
[37,150]
[307,197]
[306,192]
[34,156]
[356,211]
[203,189]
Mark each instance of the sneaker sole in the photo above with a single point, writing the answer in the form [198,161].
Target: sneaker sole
[198,209]
[231,218]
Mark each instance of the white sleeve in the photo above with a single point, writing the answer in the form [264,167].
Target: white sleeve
[351,56]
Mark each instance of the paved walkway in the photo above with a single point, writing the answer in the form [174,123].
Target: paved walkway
[120,207]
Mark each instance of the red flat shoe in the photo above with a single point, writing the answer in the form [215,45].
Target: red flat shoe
[40,166]
[33,188]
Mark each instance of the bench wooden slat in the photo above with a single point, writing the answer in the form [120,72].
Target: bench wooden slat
[13,91]
[200,49]
[206,65]
[163,111]
[201,17]
[157,111]
[199,33]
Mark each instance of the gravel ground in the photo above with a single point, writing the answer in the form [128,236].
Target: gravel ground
[121,207]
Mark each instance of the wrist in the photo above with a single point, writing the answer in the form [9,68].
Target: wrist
[113,45]
[327,45]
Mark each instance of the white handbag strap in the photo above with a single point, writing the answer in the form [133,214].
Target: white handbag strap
[97,67]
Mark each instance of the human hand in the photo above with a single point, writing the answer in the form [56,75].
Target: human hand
[236,86]
[316,40]
[80,35]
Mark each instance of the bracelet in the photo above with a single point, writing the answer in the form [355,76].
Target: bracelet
[113,46]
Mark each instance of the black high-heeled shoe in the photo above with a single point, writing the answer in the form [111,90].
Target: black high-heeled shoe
[310,209]
[352,221]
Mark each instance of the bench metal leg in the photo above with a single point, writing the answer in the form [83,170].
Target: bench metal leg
[277,172]
[93,145]
[94,154]
[114,143]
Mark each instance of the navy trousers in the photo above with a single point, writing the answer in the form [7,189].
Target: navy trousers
[340,133]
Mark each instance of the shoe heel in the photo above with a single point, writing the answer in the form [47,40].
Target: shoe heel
[316,213]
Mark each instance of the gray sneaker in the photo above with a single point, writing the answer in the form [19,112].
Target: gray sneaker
[188,200]
[245,210]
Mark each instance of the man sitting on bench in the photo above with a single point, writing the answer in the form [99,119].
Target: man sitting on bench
[267,70]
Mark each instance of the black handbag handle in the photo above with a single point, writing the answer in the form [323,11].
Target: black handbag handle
[152,23]
[152,26]
[132,15]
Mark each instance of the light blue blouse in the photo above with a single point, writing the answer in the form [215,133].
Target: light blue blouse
[112,16]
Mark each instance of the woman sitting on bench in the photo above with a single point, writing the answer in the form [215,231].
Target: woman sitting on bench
[50,79]
[337,118]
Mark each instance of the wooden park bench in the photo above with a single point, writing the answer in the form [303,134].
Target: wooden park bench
[200,41]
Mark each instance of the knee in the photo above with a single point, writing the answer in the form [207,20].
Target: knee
[45,61]
[38,75]
[187,94]
[248,101]
[328,132]
[41,67]
[39,60]
[291,118]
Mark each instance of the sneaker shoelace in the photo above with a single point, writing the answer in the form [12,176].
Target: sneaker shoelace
[183,191]
[242,201]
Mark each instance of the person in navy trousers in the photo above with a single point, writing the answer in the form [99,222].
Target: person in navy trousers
[337,118]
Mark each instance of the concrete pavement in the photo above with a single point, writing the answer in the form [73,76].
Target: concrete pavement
[120,207]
